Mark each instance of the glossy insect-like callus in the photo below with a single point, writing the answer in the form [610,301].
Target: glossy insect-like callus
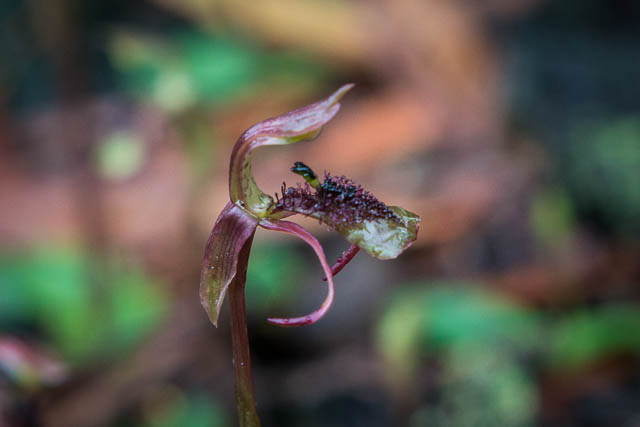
[380,230]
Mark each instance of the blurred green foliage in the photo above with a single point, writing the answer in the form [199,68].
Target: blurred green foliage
[480,338]
[603,169]
[186,69]
[187,410]
[552,218]
[482,386]
[275,271]
[119,155]
[588,335]
[433,318]
[571,66]
[87,308]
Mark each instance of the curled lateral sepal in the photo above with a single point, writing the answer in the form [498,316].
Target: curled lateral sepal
[302,124]
[233,229]
[297,230]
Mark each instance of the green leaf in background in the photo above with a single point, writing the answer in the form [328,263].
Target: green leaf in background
[552,217]
[439,316]
[273,276]
[446,313]
[482,385]
[185,69]
[603,170]
[588,335]
[137,305]
[478,337]
[51,288]
[217,68]
[86,308]
[174,408]
[120,155]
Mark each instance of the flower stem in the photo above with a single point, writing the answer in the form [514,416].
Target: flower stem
[245,399]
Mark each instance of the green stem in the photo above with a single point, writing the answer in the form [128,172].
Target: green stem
[245,399]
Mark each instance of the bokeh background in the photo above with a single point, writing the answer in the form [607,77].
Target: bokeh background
[511,127]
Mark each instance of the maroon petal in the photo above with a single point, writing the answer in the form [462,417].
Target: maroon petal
[233,229]
[295,229]
[344,259]
[302,124]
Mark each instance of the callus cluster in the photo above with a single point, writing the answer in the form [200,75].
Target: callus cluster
[382,231]
[337,202]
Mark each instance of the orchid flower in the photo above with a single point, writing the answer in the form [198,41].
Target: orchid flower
[338,202]
[368,224]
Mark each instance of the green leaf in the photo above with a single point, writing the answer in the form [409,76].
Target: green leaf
[186,410]
[603,171]
[589,335]
[552,217]
[273,276]
[439,316]
[120,155]
[86,307]
[188,69]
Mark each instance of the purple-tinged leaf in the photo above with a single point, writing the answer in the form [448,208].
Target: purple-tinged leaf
[302,124]
[233,229]
[297,230]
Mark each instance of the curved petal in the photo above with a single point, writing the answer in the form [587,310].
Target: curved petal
[295,229]
[302,124]
[233,229]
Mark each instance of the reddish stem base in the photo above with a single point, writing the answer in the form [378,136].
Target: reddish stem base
[245,399]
